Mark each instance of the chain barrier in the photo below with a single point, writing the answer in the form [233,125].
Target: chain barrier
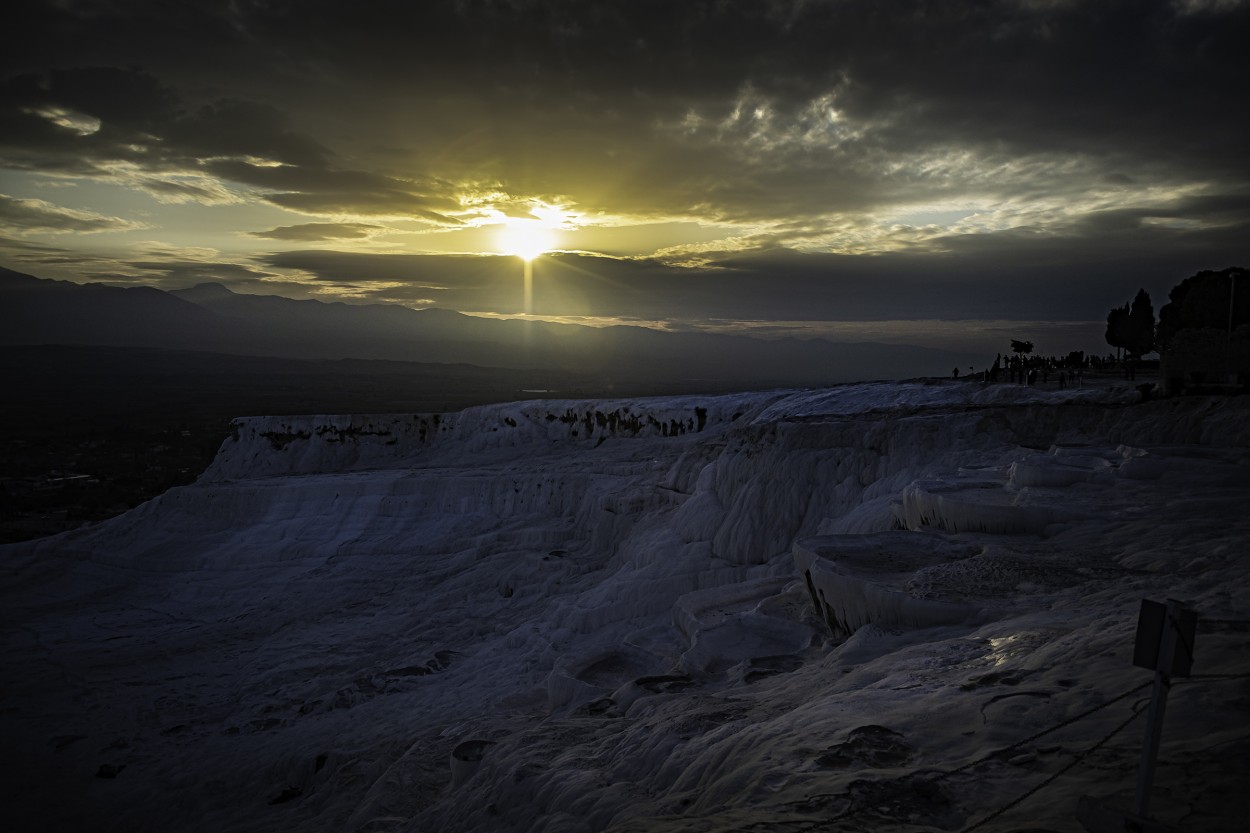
[1045,732]
[854,809]
[941,776]
[1216,677]
[1079,757]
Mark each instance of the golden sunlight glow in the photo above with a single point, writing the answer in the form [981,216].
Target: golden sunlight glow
[527,239]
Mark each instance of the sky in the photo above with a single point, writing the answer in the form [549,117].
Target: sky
[902,171]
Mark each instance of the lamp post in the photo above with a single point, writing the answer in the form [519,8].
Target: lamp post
[1228,342]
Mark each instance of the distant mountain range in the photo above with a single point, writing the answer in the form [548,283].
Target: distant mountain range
[211,318]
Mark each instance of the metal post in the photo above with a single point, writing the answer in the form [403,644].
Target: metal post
[1165,644]
[1228,342]
[1158,703]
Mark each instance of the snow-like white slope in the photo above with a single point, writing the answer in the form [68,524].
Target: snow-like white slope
[678,614]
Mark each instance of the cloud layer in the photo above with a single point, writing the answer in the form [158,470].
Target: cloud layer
[841,158]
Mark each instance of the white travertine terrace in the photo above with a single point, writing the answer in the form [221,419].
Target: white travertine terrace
[597,616]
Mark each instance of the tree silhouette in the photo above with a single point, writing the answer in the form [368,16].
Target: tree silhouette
[1208,300]
[1132,326]
[1204,329]
[1021,346]
[1117,327]
[1141,325]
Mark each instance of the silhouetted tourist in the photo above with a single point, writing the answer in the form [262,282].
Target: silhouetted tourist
[955,373]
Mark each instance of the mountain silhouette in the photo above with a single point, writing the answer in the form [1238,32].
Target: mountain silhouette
[211,317]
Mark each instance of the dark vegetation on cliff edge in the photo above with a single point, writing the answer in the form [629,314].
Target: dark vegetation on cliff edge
[89,432]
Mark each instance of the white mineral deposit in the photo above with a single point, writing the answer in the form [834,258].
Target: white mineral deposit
[844,609]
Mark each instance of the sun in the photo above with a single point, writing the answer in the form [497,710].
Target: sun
[527,239]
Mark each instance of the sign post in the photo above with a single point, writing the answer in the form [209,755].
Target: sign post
[1165,645]
[1167,632]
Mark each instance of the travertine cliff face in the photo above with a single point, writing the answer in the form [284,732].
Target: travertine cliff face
[669,614]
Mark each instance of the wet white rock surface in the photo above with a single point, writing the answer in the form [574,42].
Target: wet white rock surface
[585,616]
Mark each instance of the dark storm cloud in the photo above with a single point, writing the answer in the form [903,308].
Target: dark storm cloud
[1013,276]
[319,190]
[1135,80]
[127,103]
[241,128]
[319,231]
[40,215]
[179,274]
[456,276]
[38,249]
[14,250]
[1076,133]
[87,121]
[127,114]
